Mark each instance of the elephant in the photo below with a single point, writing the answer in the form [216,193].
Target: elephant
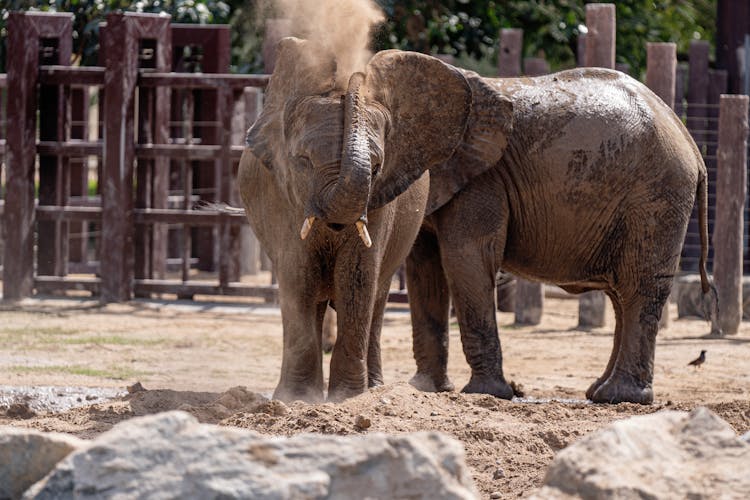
[315,157]
[583,178]
[591,188]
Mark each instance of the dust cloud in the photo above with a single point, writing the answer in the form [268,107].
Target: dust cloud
[342,27]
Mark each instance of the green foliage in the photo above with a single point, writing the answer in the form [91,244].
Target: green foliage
[87,14]
[551,27]
[466,29]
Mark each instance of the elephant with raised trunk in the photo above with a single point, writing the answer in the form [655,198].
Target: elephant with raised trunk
[334,185]
[582,178]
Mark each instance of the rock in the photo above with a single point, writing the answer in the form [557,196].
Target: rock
[26,456]
[746,437]
[668,454]
[20,410]
[171,455]
[362,423]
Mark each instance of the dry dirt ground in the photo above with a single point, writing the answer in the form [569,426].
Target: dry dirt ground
[194,357]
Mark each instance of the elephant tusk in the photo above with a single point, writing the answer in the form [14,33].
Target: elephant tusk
[306,227]
[363,234]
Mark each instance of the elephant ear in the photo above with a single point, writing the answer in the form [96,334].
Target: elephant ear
[440,119]
[489,126]
[303,68]
[428,105]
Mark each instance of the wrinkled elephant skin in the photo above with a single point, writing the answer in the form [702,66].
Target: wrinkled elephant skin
[583,178]
[593,192]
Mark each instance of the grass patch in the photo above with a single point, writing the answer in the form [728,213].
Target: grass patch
[30,330]
[62,336]
[115,373]
[104,339]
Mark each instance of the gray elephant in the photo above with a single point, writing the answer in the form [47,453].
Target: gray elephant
[590,186]
[314,159]
[583,178]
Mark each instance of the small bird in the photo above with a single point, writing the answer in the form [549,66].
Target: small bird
[699,360]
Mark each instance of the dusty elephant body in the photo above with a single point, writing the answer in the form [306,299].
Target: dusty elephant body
[315,158]
[594,191]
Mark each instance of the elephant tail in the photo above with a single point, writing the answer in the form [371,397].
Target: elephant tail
[710,295]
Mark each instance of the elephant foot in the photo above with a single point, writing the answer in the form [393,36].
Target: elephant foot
[489,385]
[340,393]
[374,381]
[622,390]
[306,394]
[425,383]
[593,387]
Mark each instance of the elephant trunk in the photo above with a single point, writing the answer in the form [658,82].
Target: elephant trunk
[345,200]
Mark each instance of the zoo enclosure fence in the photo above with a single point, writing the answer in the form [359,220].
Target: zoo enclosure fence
[163,141]
[172,122]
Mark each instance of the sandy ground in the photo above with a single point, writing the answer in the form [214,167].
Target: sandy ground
[195,357]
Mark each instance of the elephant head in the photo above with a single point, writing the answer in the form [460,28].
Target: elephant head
[340,152]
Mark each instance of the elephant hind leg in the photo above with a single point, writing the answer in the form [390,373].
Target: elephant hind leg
[617,306]
[428,304]
[472,287]
[632,374]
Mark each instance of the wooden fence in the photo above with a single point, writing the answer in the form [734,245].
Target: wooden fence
[105,203]
[163,142]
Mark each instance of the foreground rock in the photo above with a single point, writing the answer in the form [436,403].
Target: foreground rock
[665,455]
[26,456]
[171,455]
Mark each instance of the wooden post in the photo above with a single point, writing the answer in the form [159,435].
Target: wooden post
[581,49]
[600,38]
[509,66]
[731,189]
[529,302]
[661,68]
[661,73]
[535,66]
[25,31]
[600,52]
[511,49]
[152,185]
[698,89]
[117,258]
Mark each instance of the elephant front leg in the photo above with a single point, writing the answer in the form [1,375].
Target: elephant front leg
[473,291]
[302,363]
[355,296]
[429,307]
[374,359]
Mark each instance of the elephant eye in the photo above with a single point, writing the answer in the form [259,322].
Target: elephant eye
[301,161]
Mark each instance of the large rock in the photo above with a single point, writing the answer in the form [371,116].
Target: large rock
[171,455]
[26,456]
[665,455]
